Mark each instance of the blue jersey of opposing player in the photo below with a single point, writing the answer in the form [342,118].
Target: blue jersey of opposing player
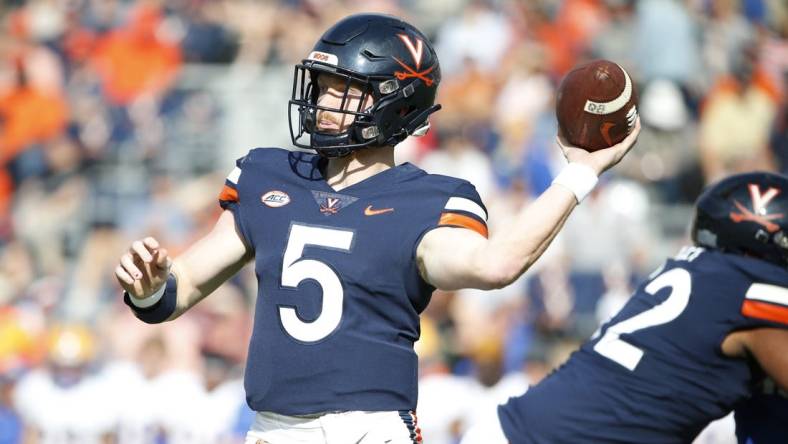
[339,288]
[655,373]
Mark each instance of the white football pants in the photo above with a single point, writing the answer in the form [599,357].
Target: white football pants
[335,428]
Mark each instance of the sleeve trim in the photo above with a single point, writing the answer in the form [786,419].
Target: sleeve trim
[234,175]
[228,194]
[765,311]
[467,205]
[768,293]
[458,220]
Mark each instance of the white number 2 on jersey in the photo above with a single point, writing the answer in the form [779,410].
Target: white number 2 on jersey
[614,348]
[295,271]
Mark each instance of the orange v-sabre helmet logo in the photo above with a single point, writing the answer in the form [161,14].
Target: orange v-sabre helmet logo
[275,198]
[417,52]
[759,212]
[369,211]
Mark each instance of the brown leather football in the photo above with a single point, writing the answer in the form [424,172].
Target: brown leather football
[597,105]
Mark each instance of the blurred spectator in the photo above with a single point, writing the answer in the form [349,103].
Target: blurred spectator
[667,154]
[779,137]
[666,45]
[736,119]
[616,214]
[28,116]
[458,157]
[614,41]
[136,59]
[726,34]
[65,401]
[479,36]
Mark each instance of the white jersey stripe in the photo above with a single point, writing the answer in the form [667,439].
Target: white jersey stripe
[768,293]
[463,204]
[234,175]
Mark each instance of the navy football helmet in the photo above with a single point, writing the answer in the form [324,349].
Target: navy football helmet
[745,214]
[386,58]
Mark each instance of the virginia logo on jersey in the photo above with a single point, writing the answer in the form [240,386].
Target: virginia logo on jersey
[275,198]
[759,213]
[331,203]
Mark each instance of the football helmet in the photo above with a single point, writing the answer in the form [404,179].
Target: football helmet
[745,214]
[389,60]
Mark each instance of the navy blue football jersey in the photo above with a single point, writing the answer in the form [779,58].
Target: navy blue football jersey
[655,373]
[339,293]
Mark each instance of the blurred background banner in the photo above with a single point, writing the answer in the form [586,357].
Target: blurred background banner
[121,118]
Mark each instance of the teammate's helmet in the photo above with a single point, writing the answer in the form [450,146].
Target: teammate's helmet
[391,60]
[745,214]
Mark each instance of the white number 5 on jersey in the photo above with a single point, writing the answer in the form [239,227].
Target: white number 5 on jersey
[295,271]
[616,349]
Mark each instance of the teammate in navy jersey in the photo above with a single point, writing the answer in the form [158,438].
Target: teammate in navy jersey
[348,246]
[690,345]
[763,419]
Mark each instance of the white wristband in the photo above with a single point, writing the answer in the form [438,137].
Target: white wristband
[150,300]
[578,178]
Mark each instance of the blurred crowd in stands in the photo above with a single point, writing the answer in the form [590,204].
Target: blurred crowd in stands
[120,119]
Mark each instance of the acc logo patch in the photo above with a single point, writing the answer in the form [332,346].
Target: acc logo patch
[275,198]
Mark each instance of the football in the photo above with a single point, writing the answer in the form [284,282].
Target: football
[596,105]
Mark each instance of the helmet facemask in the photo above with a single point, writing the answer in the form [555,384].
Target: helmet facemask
[359,133]
[388,121]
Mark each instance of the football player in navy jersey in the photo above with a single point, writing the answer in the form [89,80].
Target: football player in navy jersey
[693,342]
[348,247]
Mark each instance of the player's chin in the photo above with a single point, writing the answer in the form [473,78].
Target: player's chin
[330,130]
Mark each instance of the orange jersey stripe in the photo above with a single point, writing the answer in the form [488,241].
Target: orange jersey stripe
[766,311]
[229,194]
[458,220]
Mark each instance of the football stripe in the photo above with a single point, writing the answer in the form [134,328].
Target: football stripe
[234,175]
[228,194]
[463,204]
[458,220]
[602,108]
[765,311]
[768,293]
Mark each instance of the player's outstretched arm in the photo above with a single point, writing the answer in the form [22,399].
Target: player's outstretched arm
[144,269]
[453,258]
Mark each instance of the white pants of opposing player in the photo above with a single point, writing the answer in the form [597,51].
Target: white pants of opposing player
[335,428]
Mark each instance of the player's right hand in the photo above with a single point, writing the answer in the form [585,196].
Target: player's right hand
[144,268]
[604,159]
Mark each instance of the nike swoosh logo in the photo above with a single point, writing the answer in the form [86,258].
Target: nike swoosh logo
[368,211]
[605,130]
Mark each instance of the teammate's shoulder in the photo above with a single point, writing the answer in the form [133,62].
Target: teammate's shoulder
[756,269]
[728,265]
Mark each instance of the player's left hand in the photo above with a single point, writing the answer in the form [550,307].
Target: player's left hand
[600,160]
